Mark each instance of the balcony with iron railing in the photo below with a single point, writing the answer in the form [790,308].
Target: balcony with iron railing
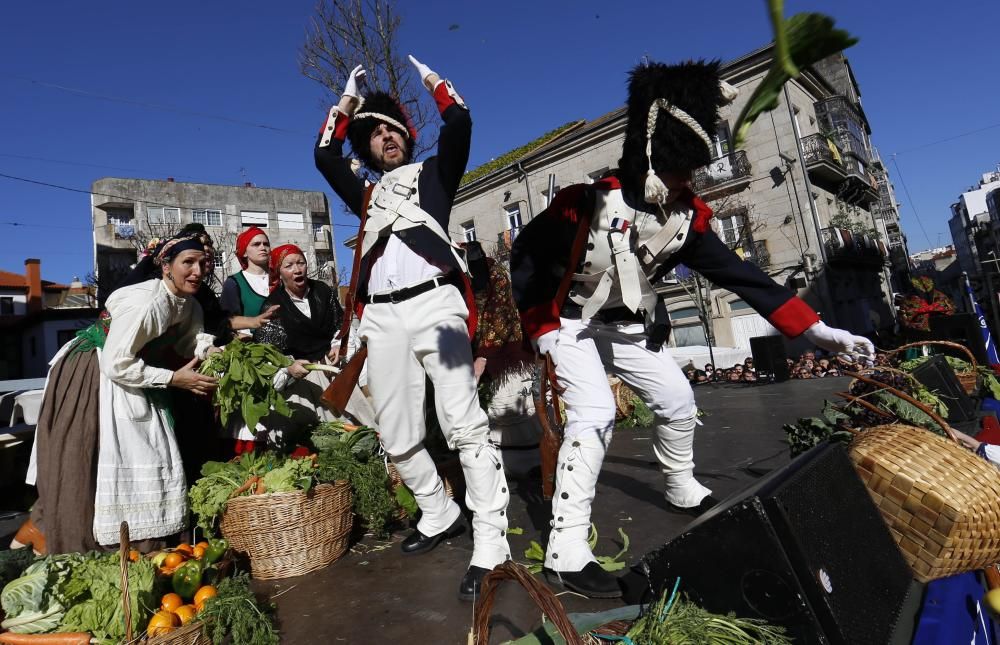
[848,248]
[727,173]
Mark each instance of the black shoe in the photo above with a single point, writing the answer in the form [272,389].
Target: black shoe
[694,511]
[592,581]
[472,583]
[417,542]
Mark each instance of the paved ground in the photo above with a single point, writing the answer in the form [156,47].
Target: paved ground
[375,594]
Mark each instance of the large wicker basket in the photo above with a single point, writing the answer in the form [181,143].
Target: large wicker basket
[969,378]
[290,534]
[940,501]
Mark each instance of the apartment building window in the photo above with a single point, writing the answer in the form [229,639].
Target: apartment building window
[291,221]
[163,215]
[732,229]
[207,216]
[120,216]
[687,327]
[253,218]
[513,216]
[6,306]
[720,140]
[469,231]
[319,234]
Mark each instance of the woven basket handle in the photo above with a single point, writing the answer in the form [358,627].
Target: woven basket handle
[541,594]
[123,550]
[948,430]
[942,343]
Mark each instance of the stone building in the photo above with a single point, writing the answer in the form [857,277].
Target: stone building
[127,213]
[807,199]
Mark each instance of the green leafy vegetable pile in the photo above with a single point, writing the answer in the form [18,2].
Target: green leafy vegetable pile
[675,619]
[350,453]
[990,384]
[79,593]
[246,372]
[249,474]
[235,612]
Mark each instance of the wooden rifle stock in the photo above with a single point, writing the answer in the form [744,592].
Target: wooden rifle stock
[551,439]
[338,393]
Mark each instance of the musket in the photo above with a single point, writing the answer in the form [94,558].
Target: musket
[552,427]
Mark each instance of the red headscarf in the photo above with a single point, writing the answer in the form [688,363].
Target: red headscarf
[243,241]
[278,256]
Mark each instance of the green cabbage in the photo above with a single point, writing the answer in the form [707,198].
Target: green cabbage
[36,602]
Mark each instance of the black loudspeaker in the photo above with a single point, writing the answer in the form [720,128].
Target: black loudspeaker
[936,375]
[769,358]
[804,548]
[962,329]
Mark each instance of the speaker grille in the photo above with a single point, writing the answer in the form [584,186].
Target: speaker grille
[837,541]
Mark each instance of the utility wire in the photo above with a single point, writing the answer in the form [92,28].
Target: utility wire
[158,106]
[913,205]
[94,165]
[947,139]
[122,197]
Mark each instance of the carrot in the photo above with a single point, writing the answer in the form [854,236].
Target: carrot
[260,486]
[67,638]
[246,486]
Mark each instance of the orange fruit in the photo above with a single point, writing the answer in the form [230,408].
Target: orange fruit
[186,549]
[170,602]
[199,552]
[172,560]
[186,613]
[202,543]
[203,594]
[134,555]
[162,622]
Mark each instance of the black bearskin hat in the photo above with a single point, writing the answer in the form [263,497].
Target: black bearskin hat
[380,108]
[694,88]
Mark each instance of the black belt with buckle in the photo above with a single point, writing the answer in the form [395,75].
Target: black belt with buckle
[607,316]
[399,295]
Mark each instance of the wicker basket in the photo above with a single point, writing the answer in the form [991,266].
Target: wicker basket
[450,471]
[969,379]
[624,400]
[940,501]
[293,533]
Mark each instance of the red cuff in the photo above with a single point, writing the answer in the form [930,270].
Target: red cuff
[442,97]
[793,317]
[340,126]
[702,214]
[540,319]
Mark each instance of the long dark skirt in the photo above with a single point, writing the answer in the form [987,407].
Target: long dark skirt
[66,454]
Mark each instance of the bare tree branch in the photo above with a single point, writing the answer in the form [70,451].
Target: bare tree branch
[343,34]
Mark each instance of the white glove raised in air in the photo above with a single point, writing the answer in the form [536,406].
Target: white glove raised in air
[546,344]
[356,77]
[427,76]
[840,341]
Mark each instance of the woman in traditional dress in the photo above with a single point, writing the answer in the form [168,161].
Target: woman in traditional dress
[105,449]
[243,293]
[304,328]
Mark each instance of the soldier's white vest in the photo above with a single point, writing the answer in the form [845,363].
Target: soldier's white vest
[395,207]
[625,248]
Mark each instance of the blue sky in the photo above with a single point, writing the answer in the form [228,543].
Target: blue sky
[926,72]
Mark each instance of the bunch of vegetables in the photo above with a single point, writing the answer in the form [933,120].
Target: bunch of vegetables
[246,381]
[252,473]
[674,619]
[78,593]
[991,386]
[235,612]
[347,452]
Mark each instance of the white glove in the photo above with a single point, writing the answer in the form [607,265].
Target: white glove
[427,76]
[840,341]
[546,344]
[356,76]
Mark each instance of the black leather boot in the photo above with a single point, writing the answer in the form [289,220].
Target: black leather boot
[592,581]
[694,511]
[417,542]
[472,582]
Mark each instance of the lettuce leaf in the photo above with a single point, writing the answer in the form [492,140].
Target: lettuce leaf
[36,602]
